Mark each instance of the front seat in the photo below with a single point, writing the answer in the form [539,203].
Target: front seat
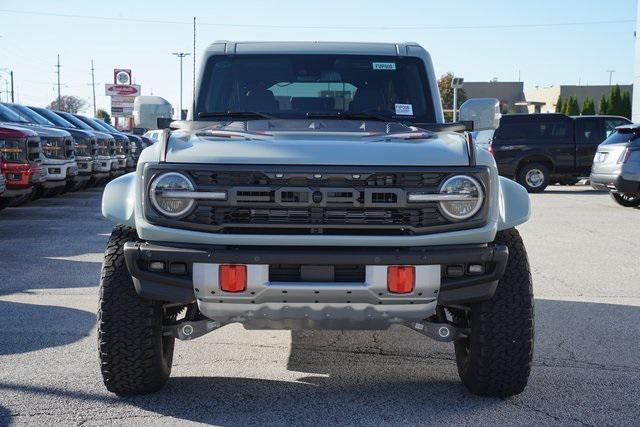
[262,101]
[367,99]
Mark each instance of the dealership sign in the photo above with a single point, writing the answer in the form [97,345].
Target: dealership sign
[121,90]
[122,76]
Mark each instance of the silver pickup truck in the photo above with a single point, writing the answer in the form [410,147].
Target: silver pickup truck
[316,186]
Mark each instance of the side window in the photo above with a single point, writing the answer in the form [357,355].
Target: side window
[610,125]
[511,131]
[552,129]
[590,131]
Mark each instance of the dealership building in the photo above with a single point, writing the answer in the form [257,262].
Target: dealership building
[515,99]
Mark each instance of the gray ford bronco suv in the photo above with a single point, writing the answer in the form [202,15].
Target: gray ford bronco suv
[317,186]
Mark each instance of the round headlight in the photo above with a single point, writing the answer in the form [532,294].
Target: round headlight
[466,197]
[164,199]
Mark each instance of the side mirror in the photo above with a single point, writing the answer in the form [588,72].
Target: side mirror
[483,112]
[163,122]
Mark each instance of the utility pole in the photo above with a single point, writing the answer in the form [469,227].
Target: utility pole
[180,55]
[610,75]
[456,83]
[58,72]
[93,86]
[193,96]
[11,74]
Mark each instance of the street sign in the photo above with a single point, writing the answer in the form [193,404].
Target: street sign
[121,90]
[129,99]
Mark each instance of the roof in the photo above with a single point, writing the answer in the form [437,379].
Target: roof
[316,47]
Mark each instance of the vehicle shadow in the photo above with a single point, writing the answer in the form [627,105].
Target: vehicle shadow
[48,326]
[581,192]
[399,377]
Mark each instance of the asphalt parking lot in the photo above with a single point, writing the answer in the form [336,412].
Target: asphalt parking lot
[583,250]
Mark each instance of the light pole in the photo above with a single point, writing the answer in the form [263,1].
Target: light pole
[456,83]
[180,55]
[610,75]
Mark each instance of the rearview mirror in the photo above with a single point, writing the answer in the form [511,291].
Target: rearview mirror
[483,112]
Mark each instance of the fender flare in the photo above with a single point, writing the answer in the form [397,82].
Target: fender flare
[534,153]
[514,205]
[118,200]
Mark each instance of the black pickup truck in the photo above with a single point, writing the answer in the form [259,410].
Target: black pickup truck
[541,149]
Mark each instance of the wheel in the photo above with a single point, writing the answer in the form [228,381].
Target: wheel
[625,199]
[21,200]
[135,356]
[5,202]
[534,177]
[51,192]
[496,359]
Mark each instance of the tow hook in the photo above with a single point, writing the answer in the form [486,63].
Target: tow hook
[189,330]
[444,332]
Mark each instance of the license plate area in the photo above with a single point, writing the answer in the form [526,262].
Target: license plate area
[307,273]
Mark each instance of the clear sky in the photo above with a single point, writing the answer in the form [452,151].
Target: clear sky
[478,40]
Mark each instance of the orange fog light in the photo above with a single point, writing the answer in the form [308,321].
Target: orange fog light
[232,277]
[401,279]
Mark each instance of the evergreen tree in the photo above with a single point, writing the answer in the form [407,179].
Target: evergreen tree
[615,101]
[626,105]
[566,105]
[603,108]
[574,107]
[588,107]
[559,105]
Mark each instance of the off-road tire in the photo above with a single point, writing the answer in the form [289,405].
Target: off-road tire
[135,357]
[496,359]
[626,200]
[522,177]
[5,202]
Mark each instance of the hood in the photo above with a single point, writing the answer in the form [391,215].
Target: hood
[319,148]
[79,133]
[43,131]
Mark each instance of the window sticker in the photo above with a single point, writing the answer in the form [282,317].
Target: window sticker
[385,66]
[404,109]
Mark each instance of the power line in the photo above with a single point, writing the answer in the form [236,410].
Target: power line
[328,27]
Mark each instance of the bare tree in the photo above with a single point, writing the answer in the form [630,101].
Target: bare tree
[69,103]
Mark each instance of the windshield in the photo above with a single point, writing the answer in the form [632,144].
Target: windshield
[29,115]
[52,117]
[299,86]
[93,124]
[620,137]
[74,120]
[8,115]
[106,125]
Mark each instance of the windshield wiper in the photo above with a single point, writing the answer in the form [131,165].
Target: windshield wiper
[250,115]
[352,116]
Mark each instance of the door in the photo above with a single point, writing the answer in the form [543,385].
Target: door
[522,137]
[590,132]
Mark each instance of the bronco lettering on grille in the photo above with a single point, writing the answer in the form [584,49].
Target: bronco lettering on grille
[321,197]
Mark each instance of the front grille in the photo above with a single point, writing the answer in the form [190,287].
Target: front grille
[317,200]
[315,273]
[54,147]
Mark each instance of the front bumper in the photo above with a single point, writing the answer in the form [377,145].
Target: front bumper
[292,305]
[49,184]
[614,182]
